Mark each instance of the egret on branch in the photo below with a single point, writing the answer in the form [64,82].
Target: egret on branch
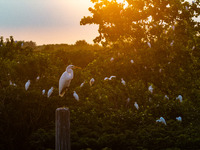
[76,96]
[92,81]
[27,85]
[50,91]
[65,79]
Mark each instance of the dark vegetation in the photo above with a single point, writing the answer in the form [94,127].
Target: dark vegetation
[103,119]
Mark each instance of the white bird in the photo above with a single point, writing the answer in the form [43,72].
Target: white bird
[43,92]
[173,27]
[193,47]
[14,84]
[106,78]
[162,120]
[166,97]
[76,96]
[50,91]
[27,85]
[136,105]
[111,59]
[128,100]
[65,79]
[150,89]
[179,118]
[172,43]
[82,84]
[160,70]
[91,81]
[180,98]
[123,82]
[37,78]
[111,77]
[149,44]
[132,61]
[10,82]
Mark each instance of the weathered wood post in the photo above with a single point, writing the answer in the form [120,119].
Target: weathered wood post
[62,129]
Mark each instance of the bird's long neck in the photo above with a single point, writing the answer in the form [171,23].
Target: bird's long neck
[70,72]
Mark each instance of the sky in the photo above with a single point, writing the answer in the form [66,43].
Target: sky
[46,21]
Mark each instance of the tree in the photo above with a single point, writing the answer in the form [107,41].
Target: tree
[143,20]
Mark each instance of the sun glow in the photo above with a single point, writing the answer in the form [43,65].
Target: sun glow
[122,2]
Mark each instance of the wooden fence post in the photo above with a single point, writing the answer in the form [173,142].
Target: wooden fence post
[62,129]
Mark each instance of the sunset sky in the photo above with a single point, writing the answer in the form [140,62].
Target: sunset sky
[46,21]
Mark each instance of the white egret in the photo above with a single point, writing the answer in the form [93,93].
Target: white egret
[92,81]
[180,98]
[150,89]
[162,120]
[123,82]
[82,84]
[65,79]
[38,77]
[166,97]
[50,91]
[111,77]
[106,78]
[179,118]
[27,85]
[193,47]
[172,43]
[173,27]
[14,84]
[136,105]
[160,70]
[112,59]
[132,61]
[76,96]
[149,44]
[43,92]
[10,82]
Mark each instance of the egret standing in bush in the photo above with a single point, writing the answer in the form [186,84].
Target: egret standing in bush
[27,85]
[65,79]
[50,91]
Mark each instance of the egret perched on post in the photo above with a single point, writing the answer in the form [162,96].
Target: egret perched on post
[76,96]
[91,81]
[50,91]
[27,85]
[65,79]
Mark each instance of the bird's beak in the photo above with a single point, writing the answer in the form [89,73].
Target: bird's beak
[76,67]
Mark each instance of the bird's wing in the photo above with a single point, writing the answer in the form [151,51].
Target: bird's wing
[64,84]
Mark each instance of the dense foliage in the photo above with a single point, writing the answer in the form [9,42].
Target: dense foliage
[105,116]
